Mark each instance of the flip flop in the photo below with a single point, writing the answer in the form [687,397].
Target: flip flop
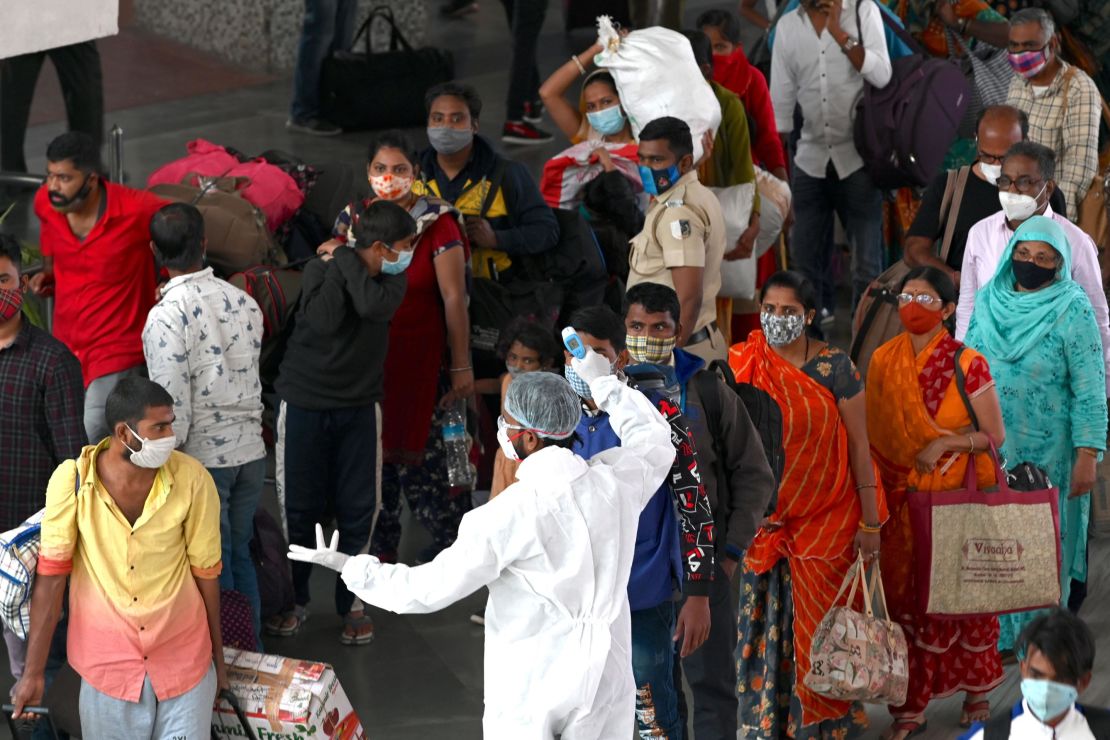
[353,623]
[983,705]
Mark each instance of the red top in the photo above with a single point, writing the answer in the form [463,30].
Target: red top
[737,74]
[104,284]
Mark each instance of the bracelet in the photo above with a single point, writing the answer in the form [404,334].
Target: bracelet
[970,445]
[1089,451]
[466,369]
[581,69]
[869,528]
[865,485]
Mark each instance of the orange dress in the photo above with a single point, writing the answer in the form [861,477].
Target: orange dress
[819,510]
[912,400]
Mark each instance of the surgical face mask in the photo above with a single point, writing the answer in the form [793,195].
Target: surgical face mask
[1048,699]
[62,203]
[1029,64]
[11,300]
[651,350]
[781,330]
[390,186]
[1018,206]
[154,452]
[991,172]
[1030,275]
[450,140]
[607,121]
[404,259]
[657,182]
[507,446]
[514,371]
[580,386]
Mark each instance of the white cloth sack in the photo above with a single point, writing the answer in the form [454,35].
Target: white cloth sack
[657,76]
[738,276]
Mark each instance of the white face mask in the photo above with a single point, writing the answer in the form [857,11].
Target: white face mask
[507,445]
[991,172]
[1018,206]
[154,453]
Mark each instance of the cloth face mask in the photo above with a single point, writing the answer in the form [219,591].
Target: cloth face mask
[390,186]
[11,300]
[1030,275]
[449,140]
[781,330]
[580,386]
[1029,64]
[607,121]
[917,319]
[651,350]
[154,452]
[658,181]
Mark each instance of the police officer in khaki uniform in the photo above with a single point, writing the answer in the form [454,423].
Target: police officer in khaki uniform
[683,239]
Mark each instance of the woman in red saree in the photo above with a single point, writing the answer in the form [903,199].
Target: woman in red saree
[829,508]
[922,438]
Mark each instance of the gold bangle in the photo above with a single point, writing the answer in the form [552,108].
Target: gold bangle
[862,486]
[1088,451]
[970,445]
[868,529]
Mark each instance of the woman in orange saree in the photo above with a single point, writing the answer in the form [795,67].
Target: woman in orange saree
[922,438]
[828,509]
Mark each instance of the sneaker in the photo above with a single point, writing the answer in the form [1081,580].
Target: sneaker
[313,127]
[479,618]
[458,8]
[520,132]
[533,112]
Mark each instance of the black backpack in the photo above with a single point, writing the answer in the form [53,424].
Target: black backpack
[765,414]
[998,727]
[269,552]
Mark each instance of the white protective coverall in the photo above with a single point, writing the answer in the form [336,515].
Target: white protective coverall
[556,551]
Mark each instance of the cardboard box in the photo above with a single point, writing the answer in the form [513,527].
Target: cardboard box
[285,699]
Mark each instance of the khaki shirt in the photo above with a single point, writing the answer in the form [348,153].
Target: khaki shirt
[684,228]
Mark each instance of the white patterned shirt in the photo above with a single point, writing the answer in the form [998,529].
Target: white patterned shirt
[202,343]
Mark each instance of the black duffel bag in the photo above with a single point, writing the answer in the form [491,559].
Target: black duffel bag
[364,90]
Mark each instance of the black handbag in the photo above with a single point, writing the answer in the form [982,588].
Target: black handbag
[364,90]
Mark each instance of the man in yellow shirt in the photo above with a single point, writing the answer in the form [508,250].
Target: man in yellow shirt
[135,526]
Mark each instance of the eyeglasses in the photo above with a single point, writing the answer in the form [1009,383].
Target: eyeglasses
[503,425]
[923,299]
[1023,183]
[1041,259]
[990,158]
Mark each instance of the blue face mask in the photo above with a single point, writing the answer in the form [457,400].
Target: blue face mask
[1048,699]
[659,181]
[607,121]
[404,259]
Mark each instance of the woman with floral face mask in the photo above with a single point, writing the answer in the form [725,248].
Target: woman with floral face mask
[829,509]
[923,438]
[1037,328]
[428,365]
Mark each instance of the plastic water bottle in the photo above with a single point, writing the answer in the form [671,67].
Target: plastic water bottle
[456,443]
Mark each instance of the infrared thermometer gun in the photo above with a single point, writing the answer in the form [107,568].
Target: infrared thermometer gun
[573,343]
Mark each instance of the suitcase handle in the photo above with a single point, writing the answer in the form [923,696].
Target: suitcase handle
[44,712]
[233,702]
[397,40]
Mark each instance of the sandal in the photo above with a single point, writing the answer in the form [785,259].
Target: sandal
[287,624]
[354,629]
[911,728]
[981,709]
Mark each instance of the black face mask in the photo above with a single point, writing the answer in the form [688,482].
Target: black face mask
[60,201]
[1030,275]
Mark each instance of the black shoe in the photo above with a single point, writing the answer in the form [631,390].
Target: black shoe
[533,112]
[458,8]
[313,127]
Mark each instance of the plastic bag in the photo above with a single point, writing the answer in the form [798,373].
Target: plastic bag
[738,276]
[657,76]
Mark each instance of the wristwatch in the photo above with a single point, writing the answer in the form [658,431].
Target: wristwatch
[848,45]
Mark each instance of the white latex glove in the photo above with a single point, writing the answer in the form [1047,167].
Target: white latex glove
[324,554]
[592,367]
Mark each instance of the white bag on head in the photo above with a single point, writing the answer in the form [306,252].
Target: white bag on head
[657,76]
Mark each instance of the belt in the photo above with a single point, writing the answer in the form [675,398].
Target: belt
[702,334]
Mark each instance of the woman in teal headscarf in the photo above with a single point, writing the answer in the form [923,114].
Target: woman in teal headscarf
[1036,327]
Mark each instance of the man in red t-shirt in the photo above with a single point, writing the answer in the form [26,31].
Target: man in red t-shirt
[98,263]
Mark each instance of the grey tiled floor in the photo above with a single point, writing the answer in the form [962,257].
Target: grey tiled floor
[422,677]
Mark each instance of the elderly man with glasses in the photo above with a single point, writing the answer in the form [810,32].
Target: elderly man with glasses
[1025,186]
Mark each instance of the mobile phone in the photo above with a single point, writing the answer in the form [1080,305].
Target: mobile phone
[573,343]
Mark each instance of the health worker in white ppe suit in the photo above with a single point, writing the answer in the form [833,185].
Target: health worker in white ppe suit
[555,550]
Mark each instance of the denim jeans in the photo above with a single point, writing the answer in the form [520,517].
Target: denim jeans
[860,206]
[240,487]
[653,656]
[329,25]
